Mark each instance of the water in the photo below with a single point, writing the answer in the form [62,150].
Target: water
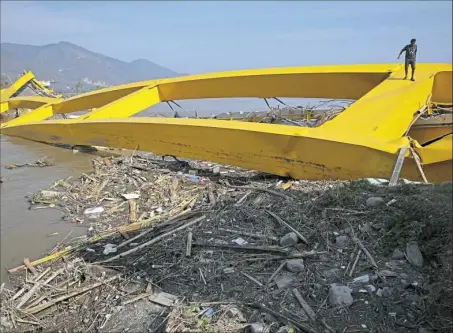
[26,233]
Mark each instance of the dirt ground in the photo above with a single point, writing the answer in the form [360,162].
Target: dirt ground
[223,249]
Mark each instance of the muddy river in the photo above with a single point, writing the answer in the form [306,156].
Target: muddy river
[29,233]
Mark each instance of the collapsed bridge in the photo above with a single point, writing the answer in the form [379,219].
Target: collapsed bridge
[381,132]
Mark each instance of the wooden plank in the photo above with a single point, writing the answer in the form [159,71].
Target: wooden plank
[398,166]
[419,165]
[163,299]
[308,310]
[189,244]
[29,266]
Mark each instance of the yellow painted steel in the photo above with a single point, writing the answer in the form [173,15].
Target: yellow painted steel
[40,113]
[128,105]
[279,149]
[425,134]
[387,110]
[427,130]
[20,84]
[16,86]
[362,141]
[439,151]
[340,81]
[443,89]
[26,102]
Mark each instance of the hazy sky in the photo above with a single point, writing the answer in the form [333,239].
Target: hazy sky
[203,36]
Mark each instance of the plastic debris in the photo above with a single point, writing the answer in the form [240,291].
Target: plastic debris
[94,210]
[109,248]
[129,196]
[240,241]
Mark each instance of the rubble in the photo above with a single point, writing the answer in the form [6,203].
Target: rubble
[285,281]
[398,254]
[342,241]
[295,265]
[289,239]
[258,327]
[42,162]
[175,246]
[375,201]
[340,295]
[331,273]
[413,254]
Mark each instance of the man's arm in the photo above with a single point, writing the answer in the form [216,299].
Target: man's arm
[401,52]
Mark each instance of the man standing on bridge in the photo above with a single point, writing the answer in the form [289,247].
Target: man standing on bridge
[410,58]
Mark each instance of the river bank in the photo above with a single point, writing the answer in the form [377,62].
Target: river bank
[177,246]
[27,231]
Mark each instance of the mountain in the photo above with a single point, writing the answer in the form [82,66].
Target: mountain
[68,66]
[71,69]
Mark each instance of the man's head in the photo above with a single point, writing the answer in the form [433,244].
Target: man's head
[413,40]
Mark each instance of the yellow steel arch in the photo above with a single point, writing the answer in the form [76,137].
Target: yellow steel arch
[361,142]
[28,78]
[26,102]
[13,89]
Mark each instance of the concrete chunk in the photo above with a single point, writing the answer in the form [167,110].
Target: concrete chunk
[257,327]
[342,241]
[289,239]
[284,281]
[375,202]
[414,256]
[397,254]
[340,295]
[295,265]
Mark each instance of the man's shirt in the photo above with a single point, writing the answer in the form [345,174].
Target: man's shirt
[411,52]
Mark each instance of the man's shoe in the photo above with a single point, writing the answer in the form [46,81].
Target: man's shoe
[405,78]
[412,79]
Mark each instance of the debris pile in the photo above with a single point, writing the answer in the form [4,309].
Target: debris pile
[42,162]
[179,246]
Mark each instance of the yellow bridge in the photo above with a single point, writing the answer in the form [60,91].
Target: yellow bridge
[364,140]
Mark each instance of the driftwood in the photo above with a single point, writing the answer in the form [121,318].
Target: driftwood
[419,164]
[29,266]
[154,240]
[252,278]
[364,249]
[259,189]
[286,224]
[283,264]
[248,234]
[132,210]
[33,290]
[242,247]
[189,244]
[359,252]
[42,307]
[168,222]
[308,310]
[298,324]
